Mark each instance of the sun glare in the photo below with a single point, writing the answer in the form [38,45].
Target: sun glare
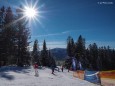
[30,12]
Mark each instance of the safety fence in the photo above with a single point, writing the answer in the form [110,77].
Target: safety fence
[104,78]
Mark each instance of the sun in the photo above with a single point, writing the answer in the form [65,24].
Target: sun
[30,12]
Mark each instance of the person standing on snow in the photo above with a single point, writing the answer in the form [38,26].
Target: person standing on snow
[62,68]
[52,69]
[36,68]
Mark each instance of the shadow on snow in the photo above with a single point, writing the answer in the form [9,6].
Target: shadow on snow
[4,71]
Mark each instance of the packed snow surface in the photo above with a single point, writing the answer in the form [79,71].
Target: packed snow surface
[15,76]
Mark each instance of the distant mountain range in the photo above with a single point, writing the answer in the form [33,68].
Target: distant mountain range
[59,53]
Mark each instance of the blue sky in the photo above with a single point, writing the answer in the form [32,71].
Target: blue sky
[93,19]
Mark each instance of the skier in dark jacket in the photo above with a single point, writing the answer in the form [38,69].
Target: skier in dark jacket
[62,68]
[52,69]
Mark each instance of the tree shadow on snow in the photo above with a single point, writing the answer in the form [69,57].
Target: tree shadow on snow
[6,76]
[4,71]
[14,69]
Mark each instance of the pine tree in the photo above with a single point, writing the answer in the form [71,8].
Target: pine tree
[14,36]
[93,49]
[80,50]
[70,46]
[9,33]
[109,58]
[36,53]
[87,61]
[51,59]
[22,36]
[44,55]
[113,59]
[2,21]
[100,58]
[70,51]
[94,58]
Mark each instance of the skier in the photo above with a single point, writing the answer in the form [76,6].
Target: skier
[52,69]
[68,67]
[36,68]
[62,68]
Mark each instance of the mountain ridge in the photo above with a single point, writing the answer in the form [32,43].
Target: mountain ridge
[59,53]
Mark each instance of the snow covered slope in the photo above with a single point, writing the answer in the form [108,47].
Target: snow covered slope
[25,77]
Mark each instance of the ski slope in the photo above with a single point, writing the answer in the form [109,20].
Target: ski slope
[15,76]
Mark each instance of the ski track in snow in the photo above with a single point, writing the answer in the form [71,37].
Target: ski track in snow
[25,77]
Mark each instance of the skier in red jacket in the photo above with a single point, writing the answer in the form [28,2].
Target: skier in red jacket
[36,69]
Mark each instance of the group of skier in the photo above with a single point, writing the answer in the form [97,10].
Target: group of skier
[52,68]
